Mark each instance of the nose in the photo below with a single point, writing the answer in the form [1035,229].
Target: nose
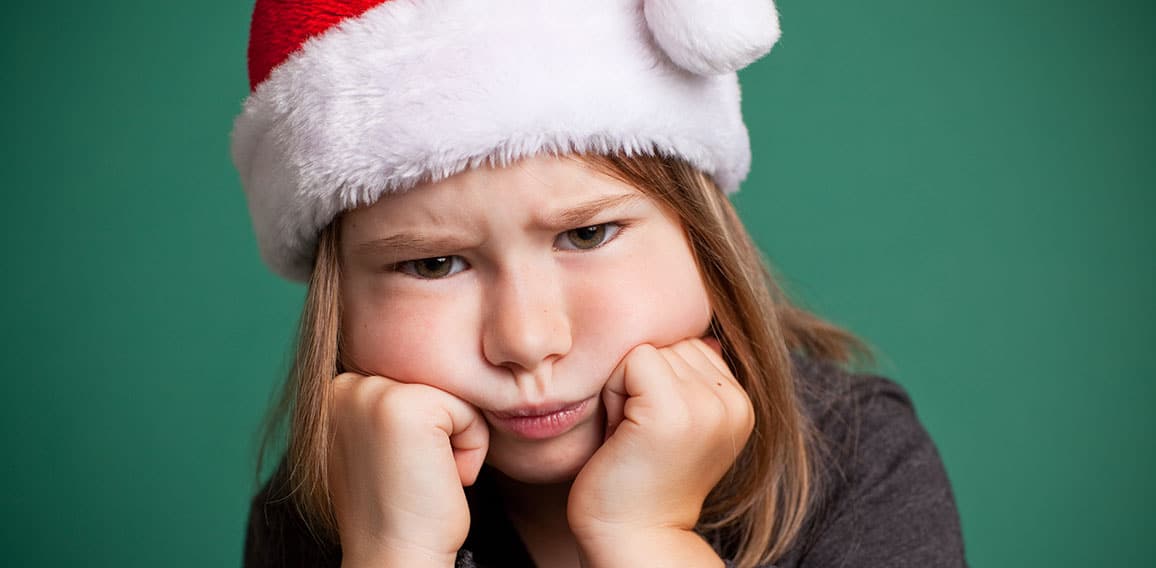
[526,323]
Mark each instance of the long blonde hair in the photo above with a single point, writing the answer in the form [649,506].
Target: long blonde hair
[760,504]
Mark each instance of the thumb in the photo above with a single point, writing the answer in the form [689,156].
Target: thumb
[642,375]
[469,439]
[614,399]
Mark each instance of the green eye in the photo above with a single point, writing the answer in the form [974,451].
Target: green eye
[586,238]
[433,267]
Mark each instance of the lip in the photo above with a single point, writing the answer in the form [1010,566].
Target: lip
[542,421]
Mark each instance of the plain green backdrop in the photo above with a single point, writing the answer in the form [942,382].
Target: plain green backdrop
[969,185]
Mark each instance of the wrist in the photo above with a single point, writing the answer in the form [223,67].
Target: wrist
[666,546]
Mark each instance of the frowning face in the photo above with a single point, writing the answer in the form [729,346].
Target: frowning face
[518,289]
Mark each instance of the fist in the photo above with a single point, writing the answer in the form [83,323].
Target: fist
[401,454]
[676,420]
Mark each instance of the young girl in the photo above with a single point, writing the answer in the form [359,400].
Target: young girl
[536,332]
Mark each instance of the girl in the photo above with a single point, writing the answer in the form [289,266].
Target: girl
[536,332]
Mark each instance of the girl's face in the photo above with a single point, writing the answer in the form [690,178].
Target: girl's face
[518,290]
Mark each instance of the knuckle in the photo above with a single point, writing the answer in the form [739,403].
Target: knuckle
[392,401]
[348,377]
[641,352]
[343,384]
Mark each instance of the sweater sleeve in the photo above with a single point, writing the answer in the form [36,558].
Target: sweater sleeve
[885,498]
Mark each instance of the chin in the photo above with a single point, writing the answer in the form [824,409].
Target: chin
[525,473]
[547,461]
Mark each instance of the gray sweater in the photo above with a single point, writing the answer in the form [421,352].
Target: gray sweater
[883,496]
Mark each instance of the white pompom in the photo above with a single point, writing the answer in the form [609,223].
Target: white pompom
[712,37]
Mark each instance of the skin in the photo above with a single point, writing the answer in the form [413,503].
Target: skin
[556,285]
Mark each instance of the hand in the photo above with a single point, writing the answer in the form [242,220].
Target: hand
[676,421]
[401,455]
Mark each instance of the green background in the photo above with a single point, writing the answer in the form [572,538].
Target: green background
[968,185]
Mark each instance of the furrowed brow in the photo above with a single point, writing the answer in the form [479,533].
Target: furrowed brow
[408,244]
[582,214]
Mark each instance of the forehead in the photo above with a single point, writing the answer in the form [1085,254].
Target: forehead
[534,186]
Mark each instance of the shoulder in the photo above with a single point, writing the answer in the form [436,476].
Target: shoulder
[882,496]
[848,410]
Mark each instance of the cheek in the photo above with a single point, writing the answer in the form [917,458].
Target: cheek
[414,340]
[647,298]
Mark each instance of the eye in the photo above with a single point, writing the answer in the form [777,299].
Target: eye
[586,238]
[434,267]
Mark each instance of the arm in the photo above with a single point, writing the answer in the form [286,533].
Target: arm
[277,537]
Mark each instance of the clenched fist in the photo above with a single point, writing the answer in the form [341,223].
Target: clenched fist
[401,455]
[676,420]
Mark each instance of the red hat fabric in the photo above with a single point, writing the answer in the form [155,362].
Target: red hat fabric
[280,27]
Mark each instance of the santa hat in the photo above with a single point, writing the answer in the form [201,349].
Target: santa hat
[352,99]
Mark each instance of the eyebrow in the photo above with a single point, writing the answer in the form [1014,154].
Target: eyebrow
[419,244]
[411,243]
[580,216]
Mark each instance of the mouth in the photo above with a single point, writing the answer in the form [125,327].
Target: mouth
[543,421]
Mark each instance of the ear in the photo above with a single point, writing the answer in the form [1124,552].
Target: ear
[712,37]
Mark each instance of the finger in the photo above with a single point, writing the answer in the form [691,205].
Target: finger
[737,400]
[714,373]
[469,459]
[648,383]
[683,369]
[711,353]
[469,437]
[700,367]
[635,388]
[698,373]
[346,380]
[614,398]
[712,342]
[347,377]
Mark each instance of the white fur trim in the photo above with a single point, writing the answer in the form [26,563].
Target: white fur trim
[417,90]
[710,37]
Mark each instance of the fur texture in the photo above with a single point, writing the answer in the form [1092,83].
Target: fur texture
[711,37]
[417,90]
